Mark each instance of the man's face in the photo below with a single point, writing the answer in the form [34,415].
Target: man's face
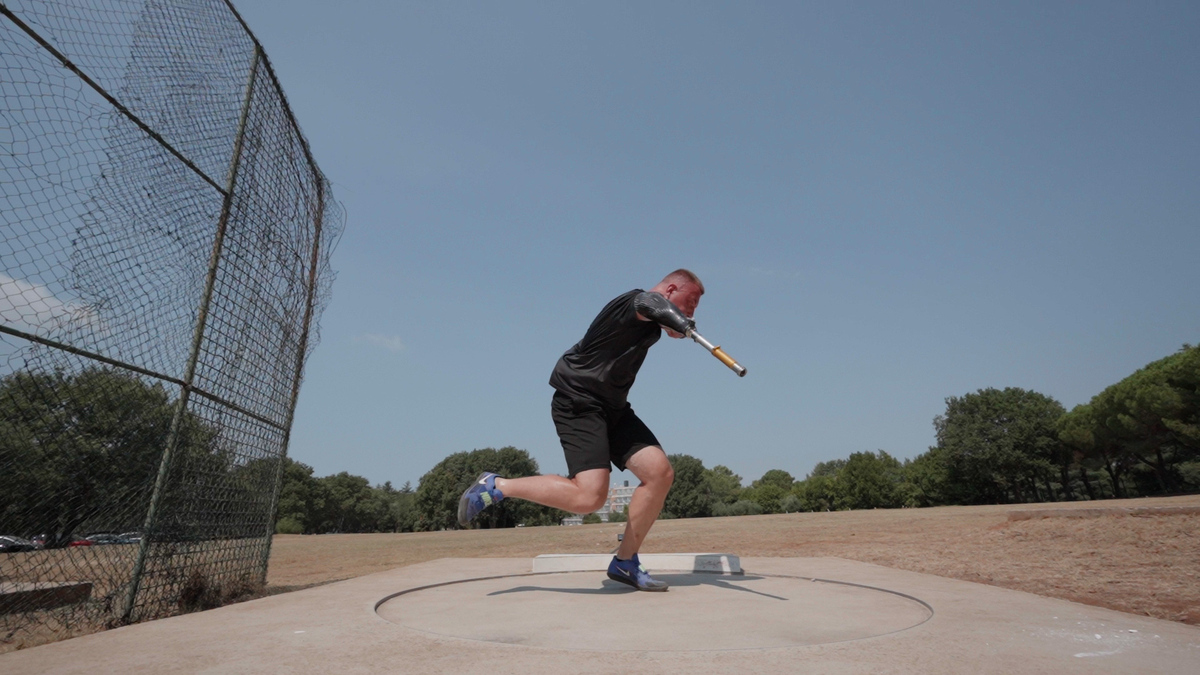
[685,297]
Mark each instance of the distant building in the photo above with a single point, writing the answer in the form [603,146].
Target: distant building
[618,500]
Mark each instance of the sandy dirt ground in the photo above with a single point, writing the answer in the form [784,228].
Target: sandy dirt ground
[1145,564]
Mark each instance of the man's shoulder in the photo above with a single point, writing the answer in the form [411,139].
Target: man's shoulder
[628,300]
[624,298]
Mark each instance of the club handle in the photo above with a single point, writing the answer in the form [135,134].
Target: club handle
[728,360]
[717,352]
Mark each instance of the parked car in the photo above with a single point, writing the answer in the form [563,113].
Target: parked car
[10,544]
[80,541]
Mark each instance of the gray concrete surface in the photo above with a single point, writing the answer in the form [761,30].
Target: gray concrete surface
[783,611]
[494,615]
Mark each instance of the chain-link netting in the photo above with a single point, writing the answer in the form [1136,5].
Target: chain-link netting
[165,239]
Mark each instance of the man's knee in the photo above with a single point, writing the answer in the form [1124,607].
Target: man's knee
[597,501]
[664,477]
[593,490]
[654,468]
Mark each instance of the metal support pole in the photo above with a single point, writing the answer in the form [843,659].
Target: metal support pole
[313,263]
[164,466]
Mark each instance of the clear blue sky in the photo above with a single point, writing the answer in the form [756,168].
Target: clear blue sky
[890,204]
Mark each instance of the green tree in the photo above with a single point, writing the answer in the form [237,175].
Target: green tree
[830,468]
[404,508]
[301,497]
[439,489]
[690,495]
[870,480]
[1152,417]
[768,492]
[777,477]
[341,503]
[769,497]
[592,519]
[1092,445]
[819,491]
[288,525]
[996,443]
[723,484]
[925,480]
[1190,473]
[351,505]
[79,452]
[742,507]
[1143,432]
[820,488]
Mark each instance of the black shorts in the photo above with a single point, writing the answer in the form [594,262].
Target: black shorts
[593,436]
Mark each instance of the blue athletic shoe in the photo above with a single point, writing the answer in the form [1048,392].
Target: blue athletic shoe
[479,496]
[632,572]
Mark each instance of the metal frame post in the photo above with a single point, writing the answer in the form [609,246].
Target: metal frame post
[164,466]
[313,263]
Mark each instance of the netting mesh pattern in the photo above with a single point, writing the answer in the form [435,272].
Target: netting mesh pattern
[165,238]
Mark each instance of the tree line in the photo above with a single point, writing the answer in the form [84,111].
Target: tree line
[79,453]
[347,503]
[1138,437]
[340,502]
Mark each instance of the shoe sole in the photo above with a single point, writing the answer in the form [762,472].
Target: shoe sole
[634,586]
[462,511]
[463,502]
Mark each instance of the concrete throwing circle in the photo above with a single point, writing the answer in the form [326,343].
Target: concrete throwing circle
[701,612]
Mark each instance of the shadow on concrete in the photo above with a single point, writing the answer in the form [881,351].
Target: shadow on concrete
[609,587]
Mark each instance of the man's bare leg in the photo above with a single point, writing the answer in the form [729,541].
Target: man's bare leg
[653,469]
[584,493]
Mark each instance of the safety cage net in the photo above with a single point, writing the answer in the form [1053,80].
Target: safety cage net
[165,238]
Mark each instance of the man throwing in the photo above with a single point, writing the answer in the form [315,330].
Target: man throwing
[597,426]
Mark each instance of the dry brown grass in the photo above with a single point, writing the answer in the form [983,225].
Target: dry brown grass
[1146,565]
[224,578]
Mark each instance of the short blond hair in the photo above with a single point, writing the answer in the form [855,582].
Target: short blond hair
[683,276]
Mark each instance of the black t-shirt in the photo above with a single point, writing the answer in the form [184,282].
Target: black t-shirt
[603,365]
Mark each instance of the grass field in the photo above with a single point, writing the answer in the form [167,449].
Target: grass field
[1147,565]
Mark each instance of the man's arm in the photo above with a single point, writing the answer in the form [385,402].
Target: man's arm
[653,306]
